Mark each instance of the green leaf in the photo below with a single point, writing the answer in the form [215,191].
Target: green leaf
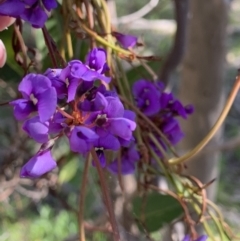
[156,210]
[69,170]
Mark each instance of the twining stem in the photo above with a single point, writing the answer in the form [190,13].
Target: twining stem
[95,35]
[82,199]
[150,123]
[106,196]
[208,137]
[50,47]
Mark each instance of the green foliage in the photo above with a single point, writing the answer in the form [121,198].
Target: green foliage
[156,210]
[47,226]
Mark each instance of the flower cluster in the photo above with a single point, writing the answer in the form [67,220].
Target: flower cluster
[91,116]
[162,108]
[32,11]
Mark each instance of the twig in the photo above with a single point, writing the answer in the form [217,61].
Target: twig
[214,129]
[50,47]
[82,199]
[106,197]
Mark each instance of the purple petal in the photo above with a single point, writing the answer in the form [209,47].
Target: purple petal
[172,131]
[189,109]
[57,123]
[129,115]
[81,139]
[122,127]
[202,238]
[77,69]
[186,238]
[25,86]
[114,108]
[57,83]
[179,109]
[149,103]
[96,60]
[34,84]
[36,16]
[22,108]
[72,88]
[165,98]
[36,129]
[40,83]
[99,103]
[125,40]
[38,165]
[30,2]
[49,4]
[47,103]
[65,73]
[12,8]
[108,142]
[91,75]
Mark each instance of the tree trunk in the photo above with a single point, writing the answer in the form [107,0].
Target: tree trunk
[202,79]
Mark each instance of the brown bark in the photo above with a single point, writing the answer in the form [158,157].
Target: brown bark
[202,79]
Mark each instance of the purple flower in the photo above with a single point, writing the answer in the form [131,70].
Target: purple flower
[12,8]
[76,72]
[57,123]
[57,83]
[38,165]
[97,60]
[200,238]
[49,4]
[171,128]
[38,95]
[28,10]
[112,119]
[36,129]
[96,104]
[35,15]
[127,41]
[147,97]
[81,139]
[128,159]
[189,109]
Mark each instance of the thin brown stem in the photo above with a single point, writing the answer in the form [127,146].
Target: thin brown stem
[82,200]
[106,197]
[50,47]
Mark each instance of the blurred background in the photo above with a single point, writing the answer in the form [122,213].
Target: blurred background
[199,64]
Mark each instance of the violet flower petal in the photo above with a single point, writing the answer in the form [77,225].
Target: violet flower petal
[72,88]
[38,165]
[96,59]
[12,8]
[22,108]
[36,129]
[35,15]
[81,139]
[47,103]
[122,127]
[125,40]
[114,108]
[49,4]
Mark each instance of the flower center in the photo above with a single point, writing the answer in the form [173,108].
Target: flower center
[101,120]
[33,99]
